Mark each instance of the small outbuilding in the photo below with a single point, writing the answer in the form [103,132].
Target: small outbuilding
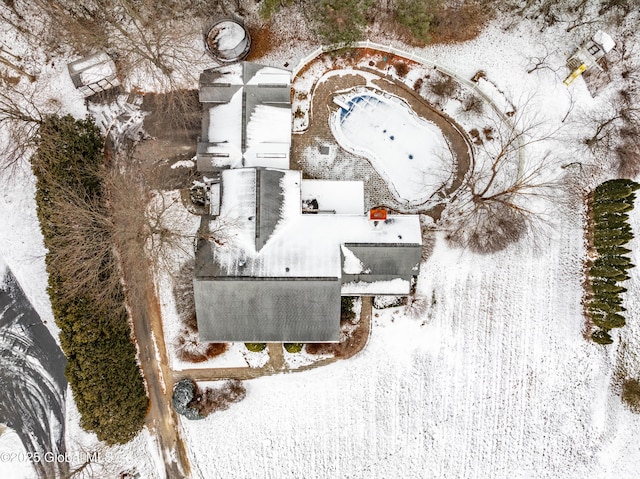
[94,74]
[228,40]
[589,54]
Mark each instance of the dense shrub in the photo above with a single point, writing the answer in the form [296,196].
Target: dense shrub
[631,394]
[87,299]
[338,22]
[189,348]
[255,347]
[444,86]
[416,15]
[183,394]
[401,69]
[611,231]
[293,348]
[601,336]
[473,104]
[211,400]
[346,308]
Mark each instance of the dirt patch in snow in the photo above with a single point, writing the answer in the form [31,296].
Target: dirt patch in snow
[263,42]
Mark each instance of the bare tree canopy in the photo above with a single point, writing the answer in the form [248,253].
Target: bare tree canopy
[494,207]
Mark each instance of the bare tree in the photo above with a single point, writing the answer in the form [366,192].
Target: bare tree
[159,36]
[211,400]
[151,226]
[615,131]
[91,463]
[20,118]
[11,61]
[85,255]
[542,60]
[572,104]
[492,208]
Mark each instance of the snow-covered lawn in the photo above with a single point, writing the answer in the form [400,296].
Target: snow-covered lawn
[494,380]
[14,461]
[410,152]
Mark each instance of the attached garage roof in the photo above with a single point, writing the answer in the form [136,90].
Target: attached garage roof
[268,309]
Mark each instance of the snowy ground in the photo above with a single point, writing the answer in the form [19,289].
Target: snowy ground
[493,379]
[13,462]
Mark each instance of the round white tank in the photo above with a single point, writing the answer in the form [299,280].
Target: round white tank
[228,41]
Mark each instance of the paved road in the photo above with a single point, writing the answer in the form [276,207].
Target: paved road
[32,383]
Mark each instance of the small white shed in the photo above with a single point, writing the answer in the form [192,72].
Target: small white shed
[93,74]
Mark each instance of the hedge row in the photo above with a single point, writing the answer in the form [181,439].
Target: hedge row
[610,204]
[94,329]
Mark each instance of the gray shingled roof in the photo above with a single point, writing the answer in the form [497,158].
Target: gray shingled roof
[269,204]
[384,261]
[268,309]
[219,85]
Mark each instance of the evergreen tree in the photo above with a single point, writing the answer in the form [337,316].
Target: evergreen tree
[614,261]
[417,16]
[608,321]
[601,336]
[613,251]
[611,220]
[607,286]
[94,330]
[610,202]
[605,272]
[338,22]
[609,207]
[608,242]
[604,230]
[605,307]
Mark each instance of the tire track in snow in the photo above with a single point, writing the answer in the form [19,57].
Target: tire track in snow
[32,397]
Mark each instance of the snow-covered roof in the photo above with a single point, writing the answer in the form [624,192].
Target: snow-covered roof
[340,197]
[247,117]
[604,40]
[100,65]
[245,73]
[272,273]
[94,73]
[228,36]
[269,124]
[396,286]
[271,237]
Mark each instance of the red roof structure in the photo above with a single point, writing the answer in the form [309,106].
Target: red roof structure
[378,215]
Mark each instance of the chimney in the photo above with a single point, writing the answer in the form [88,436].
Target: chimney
[376,216]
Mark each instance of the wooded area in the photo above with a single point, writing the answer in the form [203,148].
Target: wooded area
[86,295]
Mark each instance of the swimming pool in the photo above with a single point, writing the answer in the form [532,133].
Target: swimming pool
[411,153]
